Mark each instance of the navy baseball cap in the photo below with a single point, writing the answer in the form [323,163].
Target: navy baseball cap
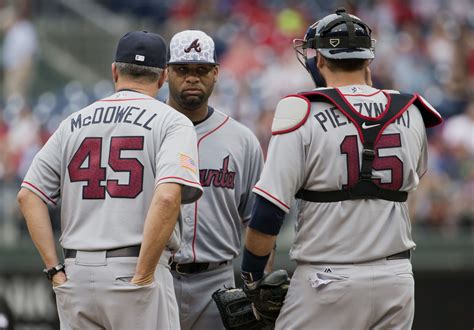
[142,48]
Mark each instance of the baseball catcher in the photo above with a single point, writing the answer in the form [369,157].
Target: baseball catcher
[378,165]
[257,305]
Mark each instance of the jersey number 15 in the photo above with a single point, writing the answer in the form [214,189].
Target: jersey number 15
[94,173]
[350,148]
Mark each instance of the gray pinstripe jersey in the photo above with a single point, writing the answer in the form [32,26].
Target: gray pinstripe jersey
[322,155]
[230,162]
[105,161]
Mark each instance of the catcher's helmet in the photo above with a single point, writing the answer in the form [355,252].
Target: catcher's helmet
[336,36]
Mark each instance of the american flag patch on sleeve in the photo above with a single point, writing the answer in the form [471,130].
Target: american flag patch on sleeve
[187,162]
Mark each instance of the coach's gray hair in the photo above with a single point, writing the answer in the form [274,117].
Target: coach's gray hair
[139,72]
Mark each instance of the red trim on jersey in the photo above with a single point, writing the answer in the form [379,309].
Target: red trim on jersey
[210,132]
[178,178]
[342,110]
[429,121]
[273,197]
[301,123]
[40,191]
[195,229]
[389,100]
[363,94]
[399,114]
[195,203]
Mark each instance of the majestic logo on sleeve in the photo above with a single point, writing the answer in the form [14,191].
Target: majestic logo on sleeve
[194,45]
[221,178]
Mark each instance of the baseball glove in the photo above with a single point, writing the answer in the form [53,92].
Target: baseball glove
[236,310]
[268,294]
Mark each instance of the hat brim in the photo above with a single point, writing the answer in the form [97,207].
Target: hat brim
[347,54]
[192,62]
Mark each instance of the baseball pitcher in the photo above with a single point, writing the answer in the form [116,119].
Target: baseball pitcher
[230,161]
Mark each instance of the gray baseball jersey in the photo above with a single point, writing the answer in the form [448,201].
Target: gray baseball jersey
[230,162]
[327,158]
[101,161]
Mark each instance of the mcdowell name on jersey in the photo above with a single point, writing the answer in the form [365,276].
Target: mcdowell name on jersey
[114,114]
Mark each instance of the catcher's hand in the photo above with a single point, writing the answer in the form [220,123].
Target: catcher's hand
[236,310]
[268,294]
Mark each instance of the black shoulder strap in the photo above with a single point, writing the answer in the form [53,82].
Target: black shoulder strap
[369,130]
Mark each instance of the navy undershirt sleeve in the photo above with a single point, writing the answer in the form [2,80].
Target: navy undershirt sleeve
[252,266]
[266,217]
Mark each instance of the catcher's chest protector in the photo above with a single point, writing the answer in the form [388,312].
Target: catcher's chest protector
[369,130]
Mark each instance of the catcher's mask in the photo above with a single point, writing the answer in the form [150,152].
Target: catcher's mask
[336,36]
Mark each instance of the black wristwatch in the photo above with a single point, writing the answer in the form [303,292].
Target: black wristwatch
[54,270]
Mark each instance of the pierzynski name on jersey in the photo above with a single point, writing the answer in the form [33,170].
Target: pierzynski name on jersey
[114,114]
[333,117]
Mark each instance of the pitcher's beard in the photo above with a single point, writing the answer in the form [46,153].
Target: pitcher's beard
[192,102]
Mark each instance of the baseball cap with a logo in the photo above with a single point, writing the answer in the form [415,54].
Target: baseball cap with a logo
[142,48]
[192,47]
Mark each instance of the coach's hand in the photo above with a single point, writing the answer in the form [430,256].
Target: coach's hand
[58,278]
[142,280]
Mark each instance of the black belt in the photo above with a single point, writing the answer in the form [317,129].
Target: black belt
[195,267]
[129,251]
[401,255]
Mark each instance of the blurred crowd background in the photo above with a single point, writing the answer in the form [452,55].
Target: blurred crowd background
[56,55]
[55,58]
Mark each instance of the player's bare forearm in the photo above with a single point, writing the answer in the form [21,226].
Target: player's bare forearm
[159,224]
[38,221]
[259,243]
[271,259]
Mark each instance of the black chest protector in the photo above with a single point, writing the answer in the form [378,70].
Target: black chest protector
[369,130]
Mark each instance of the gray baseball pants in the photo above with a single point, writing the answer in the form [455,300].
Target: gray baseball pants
[197,310]
[372,295]
[98,295]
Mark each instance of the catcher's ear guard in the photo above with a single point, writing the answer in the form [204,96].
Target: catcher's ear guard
[309,61]
[313,70]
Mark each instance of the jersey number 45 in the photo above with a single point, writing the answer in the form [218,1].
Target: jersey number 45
[91,150]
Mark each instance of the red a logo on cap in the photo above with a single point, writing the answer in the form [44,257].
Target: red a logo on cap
[195,44]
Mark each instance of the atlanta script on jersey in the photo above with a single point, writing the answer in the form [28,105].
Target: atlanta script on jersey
[230,162]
